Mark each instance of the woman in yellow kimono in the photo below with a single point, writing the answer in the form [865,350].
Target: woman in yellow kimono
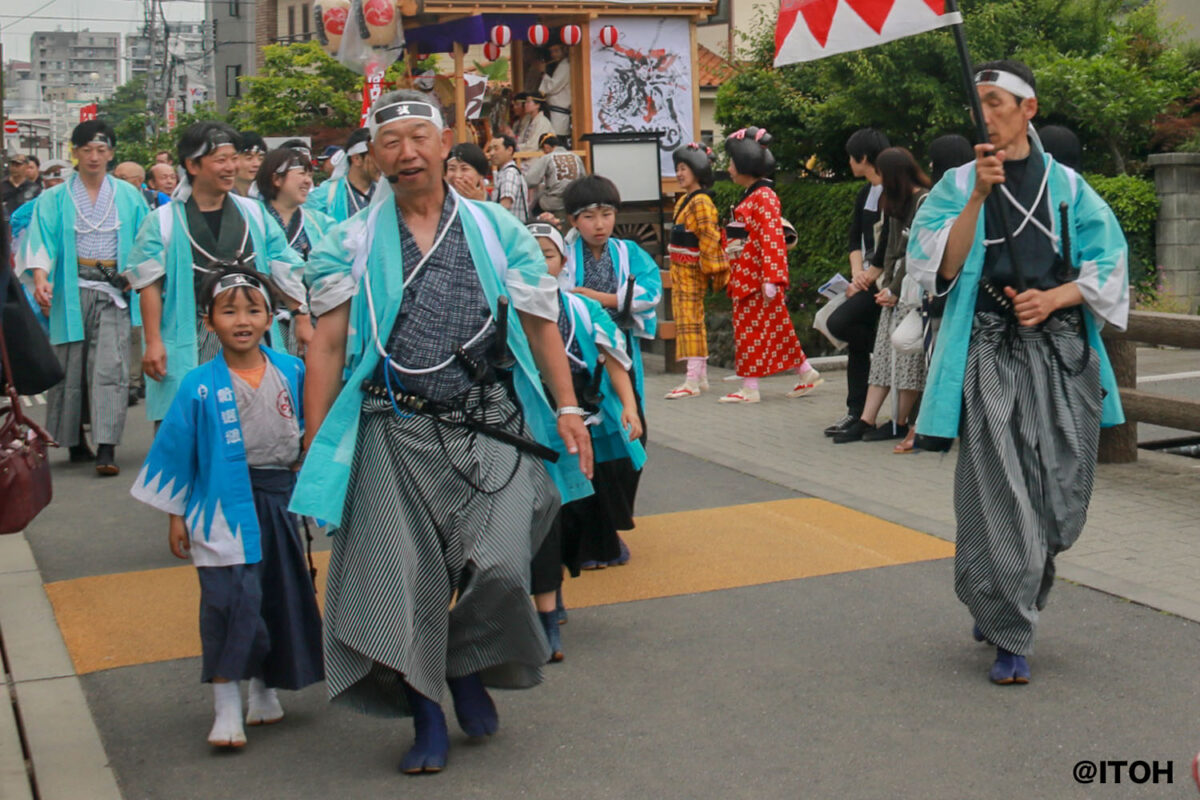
[697,256]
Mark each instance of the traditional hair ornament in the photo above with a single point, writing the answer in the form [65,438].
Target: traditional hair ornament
[1008,81]
[544,230]
[747,149]
[699,158]
[233,280]
[402,110]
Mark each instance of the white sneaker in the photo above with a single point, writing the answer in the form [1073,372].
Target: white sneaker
[808,380]
[685,389]
[742,395]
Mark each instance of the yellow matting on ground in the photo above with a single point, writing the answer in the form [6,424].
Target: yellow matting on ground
[141,617]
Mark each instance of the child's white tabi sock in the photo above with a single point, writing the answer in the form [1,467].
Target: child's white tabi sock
[227,728]
[263,707]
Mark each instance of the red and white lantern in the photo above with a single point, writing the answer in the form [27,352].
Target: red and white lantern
[331,23]
[491,51]
[378,18]
[608,35]
[571,35]
[500,35]
[539,35]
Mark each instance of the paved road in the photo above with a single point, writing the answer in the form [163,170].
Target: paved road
[851,674]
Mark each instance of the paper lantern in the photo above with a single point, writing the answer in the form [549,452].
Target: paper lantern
[608,35]
[500,35]
[539,35]
[491,51]
[377,21]
[570,35]
[331,16]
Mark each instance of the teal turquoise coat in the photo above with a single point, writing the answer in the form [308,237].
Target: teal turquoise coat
[627,259]
[1099,252]
[49,245]
[366,249]
[330,199]
[162,250]
[593,329]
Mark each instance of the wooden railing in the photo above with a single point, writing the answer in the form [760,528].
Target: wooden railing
[1119,445]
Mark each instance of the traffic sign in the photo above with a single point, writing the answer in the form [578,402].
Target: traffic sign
[10,126]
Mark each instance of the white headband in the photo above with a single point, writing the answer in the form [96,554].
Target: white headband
[355,149]
[590,207]
[1007,81]
[233,280]
[402,110]
[214,140]
[544,230]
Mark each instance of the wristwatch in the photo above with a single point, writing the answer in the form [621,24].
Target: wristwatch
[565,410]
[300,310]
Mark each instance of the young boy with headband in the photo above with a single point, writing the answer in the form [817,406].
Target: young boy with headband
[222,466]
[600,373]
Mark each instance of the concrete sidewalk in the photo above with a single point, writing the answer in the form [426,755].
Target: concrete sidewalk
[1141,542]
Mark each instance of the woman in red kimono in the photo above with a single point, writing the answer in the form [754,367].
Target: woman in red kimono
[765,340]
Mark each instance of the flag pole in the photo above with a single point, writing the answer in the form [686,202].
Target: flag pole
[981,136]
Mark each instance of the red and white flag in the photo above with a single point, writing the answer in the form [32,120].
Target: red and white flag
[812,29]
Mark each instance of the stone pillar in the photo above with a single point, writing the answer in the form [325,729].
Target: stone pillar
[1177,179]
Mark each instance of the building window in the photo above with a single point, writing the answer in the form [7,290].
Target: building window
[305,20]
[721,16]
[234,10]
[232,87]
[291,22]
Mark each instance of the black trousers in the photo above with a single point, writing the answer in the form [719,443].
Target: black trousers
[854,323]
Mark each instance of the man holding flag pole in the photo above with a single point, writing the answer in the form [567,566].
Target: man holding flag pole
[1019,372]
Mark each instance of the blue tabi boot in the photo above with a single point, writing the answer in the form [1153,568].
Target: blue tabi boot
[550,626]
[473,706]
[977,634]
[1009,668]
[432,742]
[1020,670]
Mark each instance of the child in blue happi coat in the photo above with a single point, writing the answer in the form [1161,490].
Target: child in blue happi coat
[595,350]
[222,466]
[624,279]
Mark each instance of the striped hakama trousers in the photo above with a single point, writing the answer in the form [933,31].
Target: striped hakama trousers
[96,386]
[1026,464]
[429,577]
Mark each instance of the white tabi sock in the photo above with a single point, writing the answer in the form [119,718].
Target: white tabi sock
[227,723]
[263,707]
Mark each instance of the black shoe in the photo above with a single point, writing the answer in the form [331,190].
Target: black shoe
[81,453]
[853,432]
[133,396]
[885,432]
[106,460]
[840,425]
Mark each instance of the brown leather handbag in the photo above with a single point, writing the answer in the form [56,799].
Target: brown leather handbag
[24,468]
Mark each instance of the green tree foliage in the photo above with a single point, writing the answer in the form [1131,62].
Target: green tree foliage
[138,136]
[299,85]
[1104,73]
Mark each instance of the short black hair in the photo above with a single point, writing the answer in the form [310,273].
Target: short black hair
[356,136]
[866,143]
[248,140]
[947,152]
[590,190]
[470,154]
[509,142]
[196,134]
[547,139]
[37,162]
[84,132]
[294,144]
[1018,68]
[204,300]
